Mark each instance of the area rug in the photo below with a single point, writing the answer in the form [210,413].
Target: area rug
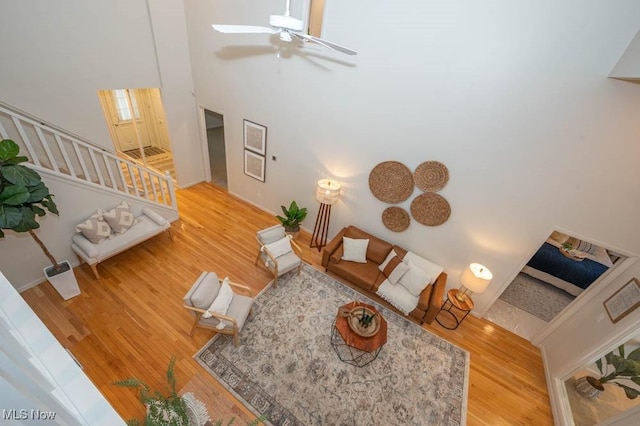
[286,370]
[536,297]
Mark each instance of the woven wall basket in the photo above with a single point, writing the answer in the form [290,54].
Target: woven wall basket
[396,219]
[430,209]
[391,182]
[431,176]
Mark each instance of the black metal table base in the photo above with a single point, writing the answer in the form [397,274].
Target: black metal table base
[447,310]
[349,354]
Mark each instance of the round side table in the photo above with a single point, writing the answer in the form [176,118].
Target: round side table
[452,306]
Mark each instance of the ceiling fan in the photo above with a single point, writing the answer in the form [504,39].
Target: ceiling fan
[287,27]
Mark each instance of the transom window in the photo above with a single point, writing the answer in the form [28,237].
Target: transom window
[122,105]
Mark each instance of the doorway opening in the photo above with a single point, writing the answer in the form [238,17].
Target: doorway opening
[560,270]
[214,124]
[138,127]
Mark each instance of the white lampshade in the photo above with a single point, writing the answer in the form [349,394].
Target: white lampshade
[328,191]
[476,277]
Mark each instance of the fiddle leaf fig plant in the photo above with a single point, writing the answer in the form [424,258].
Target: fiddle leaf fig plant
[620,370]
[23,196]
[293,216]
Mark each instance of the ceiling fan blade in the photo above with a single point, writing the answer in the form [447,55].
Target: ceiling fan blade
[244,29]
[325,43]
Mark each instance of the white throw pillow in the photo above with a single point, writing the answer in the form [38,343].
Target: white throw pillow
[95,229]
[432,270]
[280,247]
[355,250]
[222,301]
[120,218]
[414,280]
[395,270]
[390,256]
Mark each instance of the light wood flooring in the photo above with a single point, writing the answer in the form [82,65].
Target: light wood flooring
[131,321]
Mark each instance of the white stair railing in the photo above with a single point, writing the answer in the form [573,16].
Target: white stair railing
[61,153]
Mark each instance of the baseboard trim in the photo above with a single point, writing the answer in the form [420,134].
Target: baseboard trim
[37,282]
[246,200]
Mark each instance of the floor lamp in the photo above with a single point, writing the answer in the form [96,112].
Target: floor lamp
[327,194]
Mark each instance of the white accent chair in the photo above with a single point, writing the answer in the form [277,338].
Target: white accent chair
[202,294]
[277,263]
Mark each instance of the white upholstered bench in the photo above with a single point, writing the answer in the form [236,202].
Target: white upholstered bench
[149,225]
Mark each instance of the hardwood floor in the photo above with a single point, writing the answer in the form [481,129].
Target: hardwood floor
[131,321]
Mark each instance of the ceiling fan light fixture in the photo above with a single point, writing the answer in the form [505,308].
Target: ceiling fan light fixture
[287,26]
[288,22]
[285,36]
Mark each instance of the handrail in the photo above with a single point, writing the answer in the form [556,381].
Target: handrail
[62,153]
[45,124]
[141,164]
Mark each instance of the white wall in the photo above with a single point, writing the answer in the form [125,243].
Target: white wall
[169,27]
[57,55]
[513,97]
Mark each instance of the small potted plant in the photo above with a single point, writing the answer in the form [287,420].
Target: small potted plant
[292,218]
[617,369]
[569,251]
[23,198]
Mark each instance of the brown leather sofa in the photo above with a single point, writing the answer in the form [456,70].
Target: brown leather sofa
[368,277]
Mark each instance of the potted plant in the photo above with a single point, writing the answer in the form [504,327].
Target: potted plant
[292,218]
[568,250]
[616,369]
[171,409]
[23,197]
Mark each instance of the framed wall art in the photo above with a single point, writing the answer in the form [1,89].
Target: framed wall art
[624,301]
[255,137]
[254,165]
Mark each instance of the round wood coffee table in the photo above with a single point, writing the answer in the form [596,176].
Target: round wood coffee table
[350,346]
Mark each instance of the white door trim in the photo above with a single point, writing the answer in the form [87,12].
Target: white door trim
[204,143]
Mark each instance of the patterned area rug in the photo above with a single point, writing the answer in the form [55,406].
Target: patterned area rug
[536,297]
[286,369]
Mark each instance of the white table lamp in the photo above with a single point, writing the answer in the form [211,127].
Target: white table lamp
[475,279]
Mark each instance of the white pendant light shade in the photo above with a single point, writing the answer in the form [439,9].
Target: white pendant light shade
[328,191]
[476,277]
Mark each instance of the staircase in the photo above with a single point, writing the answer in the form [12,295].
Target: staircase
[61,153]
